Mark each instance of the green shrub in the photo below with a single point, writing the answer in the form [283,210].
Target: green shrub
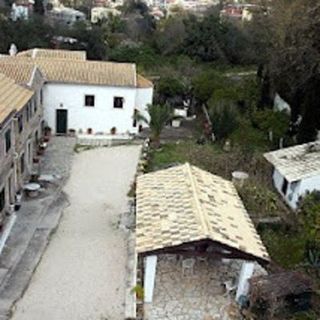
[224,117]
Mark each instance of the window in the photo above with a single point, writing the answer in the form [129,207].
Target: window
[89,101]
[35,105]
[2,199]
[41,96]
[20,123]
[22,163]
[118,102]
[284,187]
[134,124]
[28,111]
[7,137]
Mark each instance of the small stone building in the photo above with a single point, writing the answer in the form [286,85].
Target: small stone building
[193,236]
[296,171]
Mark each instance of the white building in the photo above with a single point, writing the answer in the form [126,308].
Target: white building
[280,104]
[66,15]
[296,171]
[21,9]
[85,96]
[102,13]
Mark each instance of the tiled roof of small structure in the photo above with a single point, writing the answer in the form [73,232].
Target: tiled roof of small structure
[185,204]
[297,162]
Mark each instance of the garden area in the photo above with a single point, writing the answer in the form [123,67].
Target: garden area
[244,127]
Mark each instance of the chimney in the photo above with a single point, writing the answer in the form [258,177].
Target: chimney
[13,50]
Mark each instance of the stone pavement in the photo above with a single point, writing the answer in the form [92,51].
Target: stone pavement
[192,297]
[36,221]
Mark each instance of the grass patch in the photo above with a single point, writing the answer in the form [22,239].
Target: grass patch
[81,147]
[181,152]
[286,248]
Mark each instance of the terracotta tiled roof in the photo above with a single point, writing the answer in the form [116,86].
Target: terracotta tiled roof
[184,204]
[21,73]
[298,162]
[82,72]
[143,82]
[53,54]
[13,97]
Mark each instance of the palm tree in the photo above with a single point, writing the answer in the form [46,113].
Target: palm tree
[159,116]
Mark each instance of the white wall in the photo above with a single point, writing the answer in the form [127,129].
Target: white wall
[296,189]
[143,98]
[103,116]
[293,190]
[309,184]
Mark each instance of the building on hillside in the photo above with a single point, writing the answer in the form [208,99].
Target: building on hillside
[241,12]
[93,97]
[281,105]
[64,15]
[195,244]
[21,9]
[296,171]
[102,13]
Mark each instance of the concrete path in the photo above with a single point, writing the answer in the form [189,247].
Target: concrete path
[82,273]
[36,220]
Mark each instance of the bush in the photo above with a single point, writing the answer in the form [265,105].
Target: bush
[272,121]
[224,118]
[249,139]
[309,214]
[259,200]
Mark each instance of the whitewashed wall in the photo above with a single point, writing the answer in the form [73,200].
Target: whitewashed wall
[296,190]
[309,184]
[143,98]
[100,118]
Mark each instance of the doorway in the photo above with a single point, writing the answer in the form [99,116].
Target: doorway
[61,121]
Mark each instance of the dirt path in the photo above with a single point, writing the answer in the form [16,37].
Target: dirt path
[82,273]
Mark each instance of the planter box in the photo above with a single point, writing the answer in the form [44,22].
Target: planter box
[176,123]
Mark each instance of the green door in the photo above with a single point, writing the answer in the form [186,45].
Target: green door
[61,121]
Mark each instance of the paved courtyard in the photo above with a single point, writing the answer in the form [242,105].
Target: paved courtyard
[82,273]
[200,296]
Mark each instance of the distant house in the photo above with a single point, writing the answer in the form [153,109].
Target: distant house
[101,13]
[296,171]
[280,104]
[21,9]
[239,11]
[64,15]
[96,97]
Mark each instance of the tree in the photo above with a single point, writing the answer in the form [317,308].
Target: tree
[205,84]
[170,89]
[224,118]
[269,121]
[293,60]
[309,214]
[159,116]
[216,39]
[170,35]
[38,7]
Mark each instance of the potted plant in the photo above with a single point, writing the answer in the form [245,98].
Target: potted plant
[40,151]
[113,130]
[47,133]
[139,292]
[72,132]
[36,160]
